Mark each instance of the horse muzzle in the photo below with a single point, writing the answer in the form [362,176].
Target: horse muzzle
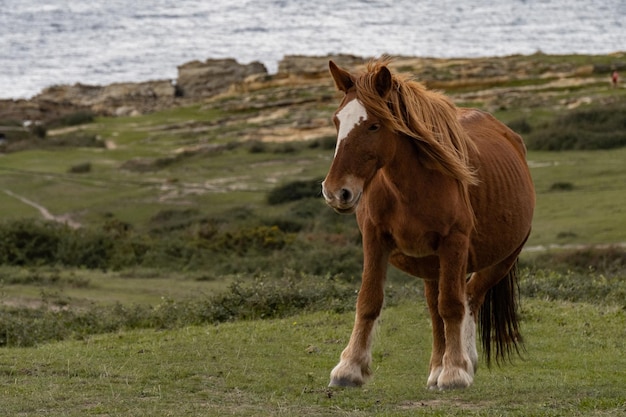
[343,201]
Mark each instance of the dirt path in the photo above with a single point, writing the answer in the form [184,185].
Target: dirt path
[572,246]
[65,219]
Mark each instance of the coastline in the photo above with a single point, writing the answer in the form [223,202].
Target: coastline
[198,81]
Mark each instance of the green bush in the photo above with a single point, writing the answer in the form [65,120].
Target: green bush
[27,242]
[520,126]
[263,298]
[295,190]
[308,237]
[606,260]
[590,129]
[576,287]
[73,140]
[81,168]
[260,238]
[257,146]
[75,119]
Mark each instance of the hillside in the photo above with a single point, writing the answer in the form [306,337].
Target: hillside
[167,253]
[228,184]
[195,149]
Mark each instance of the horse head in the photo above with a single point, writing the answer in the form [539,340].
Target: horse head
[362,146]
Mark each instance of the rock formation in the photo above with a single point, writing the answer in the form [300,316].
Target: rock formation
[202,79]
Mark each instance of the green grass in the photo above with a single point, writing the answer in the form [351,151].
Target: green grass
[593,211]
[573,367]
[83,287]
[219,181]
[574,322]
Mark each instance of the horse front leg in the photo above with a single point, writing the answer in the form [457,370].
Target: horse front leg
[431,291]
[459,325]
[354,368]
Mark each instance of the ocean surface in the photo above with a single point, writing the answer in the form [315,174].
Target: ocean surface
[47,42]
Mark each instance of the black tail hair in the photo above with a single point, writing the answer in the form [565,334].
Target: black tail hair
[499,319]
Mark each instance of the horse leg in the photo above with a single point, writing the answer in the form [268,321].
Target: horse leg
[431,291]
[478,287]
[457,367]
[354,366]
[482,281]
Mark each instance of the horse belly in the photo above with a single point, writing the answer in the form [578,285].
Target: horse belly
[503,203]
[426,267]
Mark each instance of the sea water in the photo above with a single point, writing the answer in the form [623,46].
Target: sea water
[48,42]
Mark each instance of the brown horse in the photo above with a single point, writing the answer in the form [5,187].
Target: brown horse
[440,192]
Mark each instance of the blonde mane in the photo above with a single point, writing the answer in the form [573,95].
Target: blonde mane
[428,117]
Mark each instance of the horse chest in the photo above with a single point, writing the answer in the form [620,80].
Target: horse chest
[407,237]
[414,243]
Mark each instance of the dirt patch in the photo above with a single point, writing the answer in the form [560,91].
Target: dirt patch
[439,403]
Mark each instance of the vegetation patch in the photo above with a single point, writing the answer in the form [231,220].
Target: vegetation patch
[610,260]
[562,186]
[602,127]
[588,287]
[263,298]
[295,190]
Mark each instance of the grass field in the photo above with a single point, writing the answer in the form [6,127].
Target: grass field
[168,175]
[573,366]
[581,197]
[589,209]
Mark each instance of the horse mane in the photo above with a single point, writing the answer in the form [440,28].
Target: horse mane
[426,116]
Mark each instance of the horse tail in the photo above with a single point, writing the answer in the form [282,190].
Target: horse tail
[499,320]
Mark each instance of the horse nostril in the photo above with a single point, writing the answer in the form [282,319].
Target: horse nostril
[345,195]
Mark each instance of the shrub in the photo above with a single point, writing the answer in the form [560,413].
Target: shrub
[75,119]
[263,298]
[27,242]
[575,287]
[172,219]
[562,186]
[82,168]
[606,260]
[520,126]
[326,143]
[38,130]
[295,190]
[590,129]
[257,146]
[260,238]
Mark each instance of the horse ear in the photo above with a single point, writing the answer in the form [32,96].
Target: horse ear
[383,81]
[343,79]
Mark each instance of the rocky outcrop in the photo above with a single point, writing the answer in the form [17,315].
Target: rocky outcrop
[196,80]
[313,66]
[202,79]
[119,99]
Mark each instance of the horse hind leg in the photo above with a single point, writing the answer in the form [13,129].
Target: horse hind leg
[492,301]
[468,336]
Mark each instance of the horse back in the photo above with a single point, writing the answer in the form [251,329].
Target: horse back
[482,124]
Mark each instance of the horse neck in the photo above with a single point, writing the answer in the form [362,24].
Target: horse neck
[406,164]
[409,175]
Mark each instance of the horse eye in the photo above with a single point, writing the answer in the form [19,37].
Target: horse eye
[374,127]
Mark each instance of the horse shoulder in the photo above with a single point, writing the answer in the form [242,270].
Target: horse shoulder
[483,125]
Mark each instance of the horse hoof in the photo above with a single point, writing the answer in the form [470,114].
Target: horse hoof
[458,379]
[344,383]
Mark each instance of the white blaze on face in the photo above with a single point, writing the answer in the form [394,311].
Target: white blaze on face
[350,116]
